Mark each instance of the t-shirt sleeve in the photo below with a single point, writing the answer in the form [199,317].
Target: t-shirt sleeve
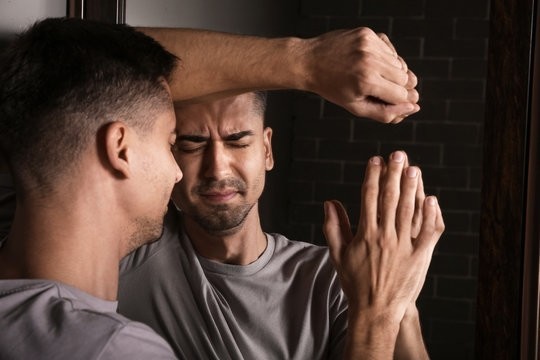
[7,204]
[136,341]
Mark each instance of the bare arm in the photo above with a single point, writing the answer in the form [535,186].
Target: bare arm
[356,69]
[382,268]
[410,343]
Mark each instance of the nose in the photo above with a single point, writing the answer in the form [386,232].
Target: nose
[178,173]
[216,161]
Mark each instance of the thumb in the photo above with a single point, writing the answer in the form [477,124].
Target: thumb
[336,228]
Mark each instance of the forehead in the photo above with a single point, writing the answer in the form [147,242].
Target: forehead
[222,116]
[164,121]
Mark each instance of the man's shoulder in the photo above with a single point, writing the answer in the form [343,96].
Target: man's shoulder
[301,252]
[70,321]
[283,242]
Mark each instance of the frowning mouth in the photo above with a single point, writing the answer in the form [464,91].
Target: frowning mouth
[222,195]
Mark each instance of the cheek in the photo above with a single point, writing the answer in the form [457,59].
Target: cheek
[254,170]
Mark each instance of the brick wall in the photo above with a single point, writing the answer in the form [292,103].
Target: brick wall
[445,43]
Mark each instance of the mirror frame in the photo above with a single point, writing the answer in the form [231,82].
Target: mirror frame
[507,306]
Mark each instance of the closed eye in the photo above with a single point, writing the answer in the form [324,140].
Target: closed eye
[190,143]
[239,140]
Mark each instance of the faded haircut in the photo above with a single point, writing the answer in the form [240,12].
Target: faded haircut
[62,80]
[260,101]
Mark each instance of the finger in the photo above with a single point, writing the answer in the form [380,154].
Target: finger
[388,86]
[387,41]
[393,74]
[390,192]
[432,225]
[370,195]
[336,229]
[381,112]
[405,210]
[412,80]
[419,203]
[380,46]
[439,222]
[404,66]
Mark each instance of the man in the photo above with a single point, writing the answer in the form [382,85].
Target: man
[218,287]
[356,94]
[86,124]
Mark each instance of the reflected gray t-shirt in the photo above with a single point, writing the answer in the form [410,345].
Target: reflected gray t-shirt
[42,319]
[288,304]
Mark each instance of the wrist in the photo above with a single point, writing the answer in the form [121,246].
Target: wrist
[297,60]
[411,314]
[371,334]
[374,320]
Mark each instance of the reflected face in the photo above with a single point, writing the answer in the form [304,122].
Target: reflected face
[156,173]
[224,152]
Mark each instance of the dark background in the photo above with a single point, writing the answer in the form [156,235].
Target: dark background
[322,154]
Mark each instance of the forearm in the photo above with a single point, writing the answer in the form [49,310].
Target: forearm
[410,343]
[370,336]
[213,63]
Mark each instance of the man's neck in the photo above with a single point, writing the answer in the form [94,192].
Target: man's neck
[240,246]
[65,245]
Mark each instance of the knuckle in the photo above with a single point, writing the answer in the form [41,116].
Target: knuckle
[389,196]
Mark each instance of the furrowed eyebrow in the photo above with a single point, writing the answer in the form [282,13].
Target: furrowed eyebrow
[192,138]
[238,135]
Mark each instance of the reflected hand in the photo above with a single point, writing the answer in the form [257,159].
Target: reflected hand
[382,268]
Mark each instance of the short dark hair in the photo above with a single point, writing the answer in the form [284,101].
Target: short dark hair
[260,100]
[63,79]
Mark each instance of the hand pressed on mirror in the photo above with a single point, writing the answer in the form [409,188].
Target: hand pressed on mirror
[382,267]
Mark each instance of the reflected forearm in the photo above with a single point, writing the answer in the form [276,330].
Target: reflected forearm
[410,343]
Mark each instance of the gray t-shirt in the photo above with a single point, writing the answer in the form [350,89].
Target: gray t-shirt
[42,319]
[288,304]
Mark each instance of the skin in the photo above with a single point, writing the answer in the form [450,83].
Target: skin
[106,205]
[382,267]
[356,69]
[224,152]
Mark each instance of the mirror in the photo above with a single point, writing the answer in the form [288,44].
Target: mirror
[321,150]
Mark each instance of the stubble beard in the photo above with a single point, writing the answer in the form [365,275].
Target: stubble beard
[221,219]
[147,230]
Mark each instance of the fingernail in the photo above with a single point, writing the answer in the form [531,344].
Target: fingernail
[376,160]
[411,172]
[398,156]
[432,201]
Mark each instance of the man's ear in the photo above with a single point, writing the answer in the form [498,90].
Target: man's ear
[118,139]
[268,154]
